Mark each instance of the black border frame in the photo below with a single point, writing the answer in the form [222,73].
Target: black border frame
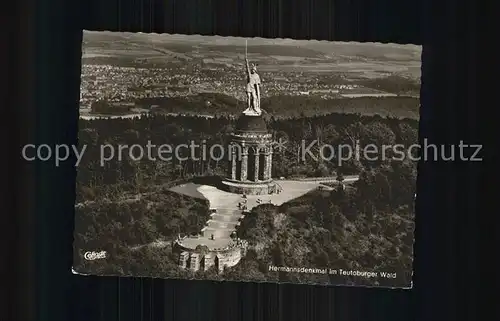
[45,74]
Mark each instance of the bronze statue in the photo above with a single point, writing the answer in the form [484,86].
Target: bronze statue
[252,90]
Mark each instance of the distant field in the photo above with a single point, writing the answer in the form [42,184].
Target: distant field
[389,68]
[292,55]
[367,95]
[176,47]
[287,58]
[129,61]
[393,84]
[266,46]
[110,60]
[268,50]
[371,51]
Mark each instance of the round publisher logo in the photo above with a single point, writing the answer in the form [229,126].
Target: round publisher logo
[91,256]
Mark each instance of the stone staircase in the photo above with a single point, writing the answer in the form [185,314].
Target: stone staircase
[225,218]
[217,233]
[222,223]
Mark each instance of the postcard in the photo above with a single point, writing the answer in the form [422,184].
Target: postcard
[247,159]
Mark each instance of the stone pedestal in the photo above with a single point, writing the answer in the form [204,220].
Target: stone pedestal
[194,262]
[208,262]
[267,165]
[233,165]
[250,171]
[244,166]
[257,163]
[183,259]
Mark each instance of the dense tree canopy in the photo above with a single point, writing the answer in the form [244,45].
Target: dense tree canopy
[367,227]
[282,106]
[123,203]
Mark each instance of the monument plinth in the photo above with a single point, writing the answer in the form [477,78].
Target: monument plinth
[250,164]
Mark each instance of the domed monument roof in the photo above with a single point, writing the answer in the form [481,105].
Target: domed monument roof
[251,123]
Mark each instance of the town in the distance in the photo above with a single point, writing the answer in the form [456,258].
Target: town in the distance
[129,74]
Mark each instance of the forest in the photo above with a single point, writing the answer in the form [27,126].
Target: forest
[122,205]
[281,106]
[368,227]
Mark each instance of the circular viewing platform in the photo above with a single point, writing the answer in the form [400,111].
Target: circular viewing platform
[203,257]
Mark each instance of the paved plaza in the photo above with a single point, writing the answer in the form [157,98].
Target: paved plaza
[227,211]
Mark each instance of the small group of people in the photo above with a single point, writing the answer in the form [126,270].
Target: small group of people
[260,201]
[276,190]
[242,205]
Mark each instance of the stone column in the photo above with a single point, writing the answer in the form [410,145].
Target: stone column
[266,165]
[257,163]
[183,259]
[269,162]
[208,262]
[244,164]
[233,164]
[194,262]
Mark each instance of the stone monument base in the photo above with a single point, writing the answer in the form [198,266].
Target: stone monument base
[252,112]
[250,188]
